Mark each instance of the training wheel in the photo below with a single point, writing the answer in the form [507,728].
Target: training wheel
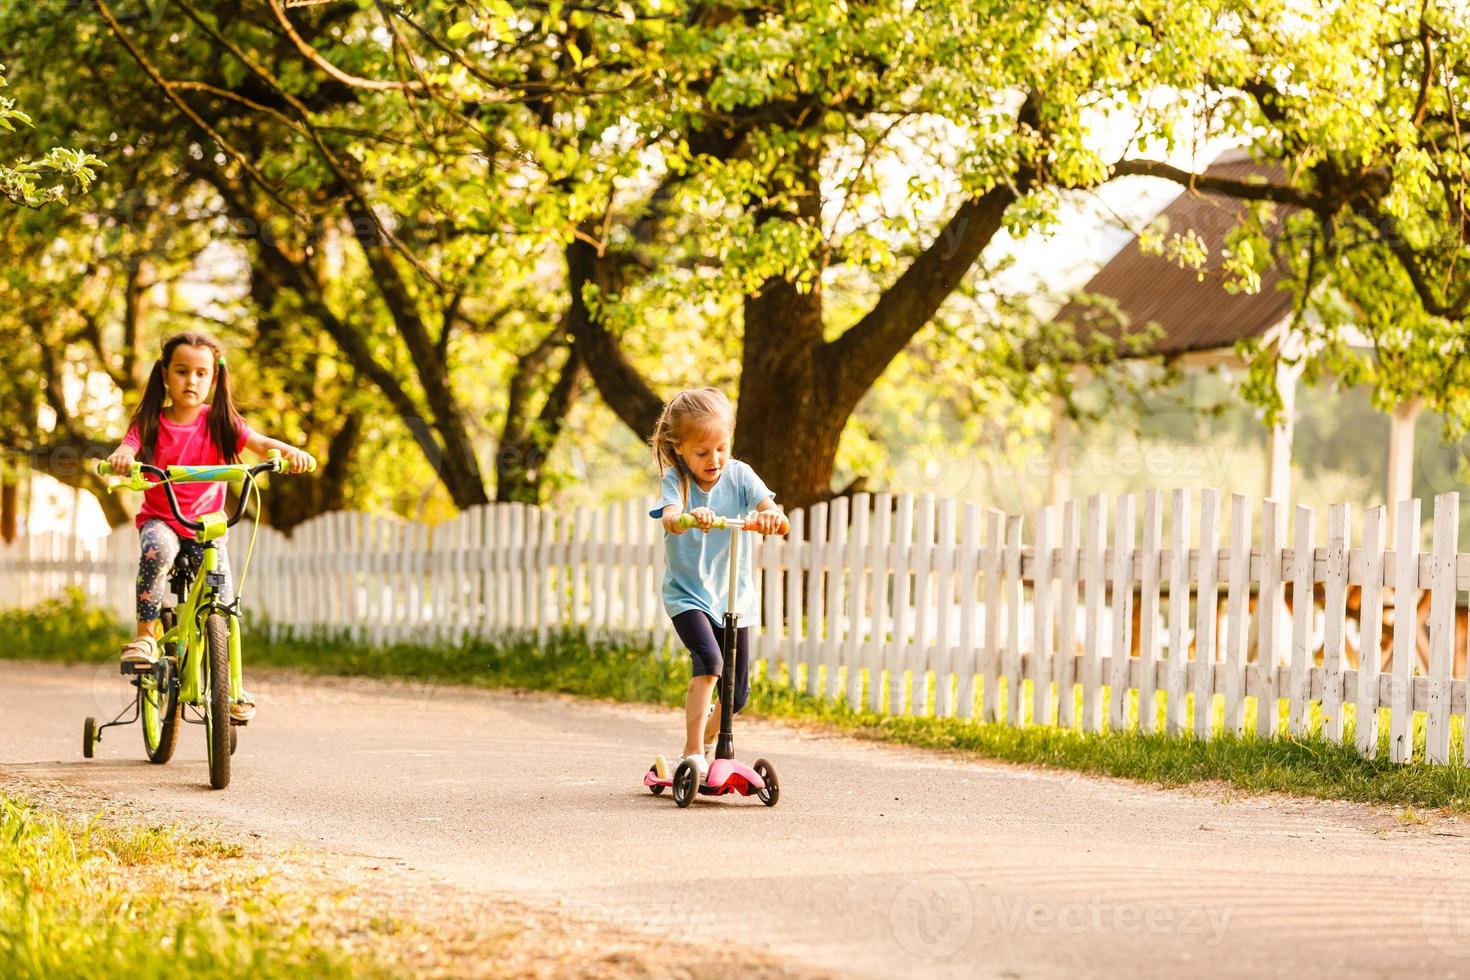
[89,737]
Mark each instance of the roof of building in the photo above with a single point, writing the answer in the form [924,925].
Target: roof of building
[1194,314]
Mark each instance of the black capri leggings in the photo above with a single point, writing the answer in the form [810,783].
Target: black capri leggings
[706,642]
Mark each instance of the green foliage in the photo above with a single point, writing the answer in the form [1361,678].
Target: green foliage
[22,183]
[414,203]
[63,628]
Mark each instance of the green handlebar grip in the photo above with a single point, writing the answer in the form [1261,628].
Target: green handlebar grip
[687,521]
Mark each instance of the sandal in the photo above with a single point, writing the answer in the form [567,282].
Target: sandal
[142,650]
[242,709]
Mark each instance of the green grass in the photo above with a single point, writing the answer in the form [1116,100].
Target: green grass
[89,900]
[569,663]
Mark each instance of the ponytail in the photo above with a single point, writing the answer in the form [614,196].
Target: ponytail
[224,420]
[145,419]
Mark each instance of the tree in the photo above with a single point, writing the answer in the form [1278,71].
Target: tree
[417,305]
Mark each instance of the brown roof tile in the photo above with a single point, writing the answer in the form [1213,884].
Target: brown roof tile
[1195,315]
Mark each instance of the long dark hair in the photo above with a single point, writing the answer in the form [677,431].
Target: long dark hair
[224,421]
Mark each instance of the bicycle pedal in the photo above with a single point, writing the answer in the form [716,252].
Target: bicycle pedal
[238,723]
[130,668]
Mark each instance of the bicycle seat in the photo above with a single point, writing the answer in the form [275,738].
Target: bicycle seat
[181,575]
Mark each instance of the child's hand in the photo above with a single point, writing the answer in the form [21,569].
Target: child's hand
[671,523]
[121,462]
[766,521]
[298,461]
[704,517]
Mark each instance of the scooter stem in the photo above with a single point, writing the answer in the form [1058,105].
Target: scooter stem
[725,745]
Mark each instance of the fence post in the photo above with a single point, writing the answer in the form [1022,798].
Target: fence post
[1268,608]
[796,556]
[1064,668]
[1148,613]
[1334,628]
[1206,613]
[858,595]
[1119,681]
[969,598]
[941,658]
[836,606]
[1303,572]
[1405,632]
[1238,612]
[990,660]
[815,621]
[1041,632]
[1441,628]
[1176,703]
[1370,637]
[1014,612]
[1095,588]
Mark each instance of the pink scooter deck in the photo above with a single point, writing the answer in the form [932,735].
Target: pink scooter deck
[725,776]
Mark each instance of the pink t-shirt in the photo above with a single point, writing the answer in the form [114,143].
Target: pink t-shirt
[184,445]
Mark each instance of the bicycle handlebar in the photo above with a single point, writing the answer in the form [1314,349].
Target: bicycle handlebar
[233,473]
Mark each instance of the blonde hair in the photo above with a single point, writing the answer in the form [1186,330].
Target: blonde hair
[692,408]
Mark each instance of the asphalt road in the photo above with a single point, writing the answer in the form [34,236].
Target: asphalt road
[878,861]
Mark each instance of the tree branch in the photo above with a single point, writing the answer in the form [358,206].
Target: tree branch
[314,56]
[623,389]
[1244,190]
[863,352]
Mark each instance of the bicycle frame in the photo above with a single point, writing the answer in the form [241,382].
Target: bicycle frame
[187,635]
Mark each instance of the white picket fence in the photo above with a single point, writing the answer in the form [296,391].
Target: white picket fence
[886,600]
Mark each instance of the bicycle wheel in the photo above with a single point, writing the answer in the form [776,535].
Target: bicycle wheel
[158,710]
[217,699]
[158,702]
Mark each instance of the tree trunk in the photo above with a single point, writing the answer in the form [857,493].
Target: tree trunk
[618,381]
[790,414]
[9,500]
[526,442]
[299,498]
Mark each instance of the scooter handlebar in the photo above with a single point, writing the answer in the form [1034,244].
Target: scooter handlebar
[687,522]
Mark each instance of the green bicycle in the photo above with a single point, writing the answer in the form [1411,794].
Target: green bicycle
[199,653]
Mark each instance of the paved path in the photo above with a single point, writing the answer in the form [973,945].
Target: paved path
[879,861]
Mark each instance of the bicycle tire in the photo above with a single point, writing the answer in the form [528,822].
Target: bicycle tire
[217,704]
[160,712]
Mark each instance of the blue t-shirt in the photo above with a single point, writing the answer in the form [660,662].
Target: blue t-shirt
[697,563]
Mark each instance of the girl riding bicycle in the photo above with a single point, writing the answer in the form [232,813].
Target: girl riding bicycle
[174,425]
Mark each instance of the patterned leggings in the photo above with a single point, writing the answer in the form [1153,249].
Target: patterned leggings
[161,545]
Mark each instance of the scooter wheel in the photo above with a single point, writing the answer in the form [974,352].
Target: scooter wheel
[767,773]
[658,789]
[89,737]
[686,784]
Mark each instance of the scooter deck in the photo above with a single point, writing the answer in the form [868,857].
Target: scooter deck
[725,776]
